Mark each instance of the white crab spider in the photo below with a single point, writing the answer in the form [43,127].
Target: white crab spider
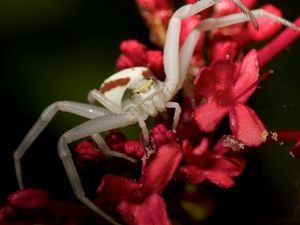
[131,95]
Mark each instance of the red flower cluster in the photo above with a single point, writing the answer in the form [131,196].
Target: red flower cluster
[198,151]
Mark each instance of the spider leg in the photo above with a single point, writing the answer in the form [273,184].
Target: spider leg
[172,66]
[107,151]
[213,23]
[95,96]
[187,48]
[88,128]
[84,110]
[177,108]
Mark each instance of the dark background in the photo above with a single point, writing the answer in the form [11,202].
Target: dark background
[54,50]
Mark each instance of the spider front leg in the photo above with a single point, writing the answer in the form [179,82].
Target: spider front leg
[175,66]
[188,46]
[86,129]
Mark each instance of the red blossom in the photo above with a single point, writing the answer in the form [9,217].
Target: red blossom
[151,211]
[133,54]
[187,25]
[33,206]
[223,84]
[224,47]
[213,165]
[267,27]
[87,151]
[243,33]
[134,197]
[157,14]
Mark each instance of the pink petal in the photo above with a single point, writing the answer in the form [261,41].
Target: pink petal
[160,168]
[194,174]
[249,73]
[267,27]
[115,189]
[221,179]
[151,211]
[246,126]
[209,115]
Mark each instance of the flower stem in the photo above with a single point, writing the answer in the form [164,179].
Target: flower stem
[277,45]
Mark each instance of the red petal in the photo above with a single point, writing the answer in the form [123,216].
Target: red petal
[246,126]
[151,211]
[194,174]
[223,47]
[216,79]
[187,25]
[209,115]
[28,199]
[154,5]
[134,149]
[162,135]
[221,179]
[232,167]
[134,50]
[160,168]
[187,150]
[249,73]
[115,140]
[267,27]
[124,62]
[115,189]
[204,83]
[154,61]
[202,148]
[87,151]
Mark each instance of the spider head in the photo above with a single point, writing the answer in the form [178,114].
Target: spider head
[135,88]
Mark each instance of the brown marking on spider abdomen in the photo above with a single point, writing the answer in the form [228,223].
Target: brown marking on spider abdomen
[114,83]
[147,73]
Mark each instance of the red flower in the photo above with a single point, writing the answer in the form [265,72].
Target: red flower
[157,14]
[226,88]
[133,53]
[213,165]
[32,206]
[139,202]
[245,32]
